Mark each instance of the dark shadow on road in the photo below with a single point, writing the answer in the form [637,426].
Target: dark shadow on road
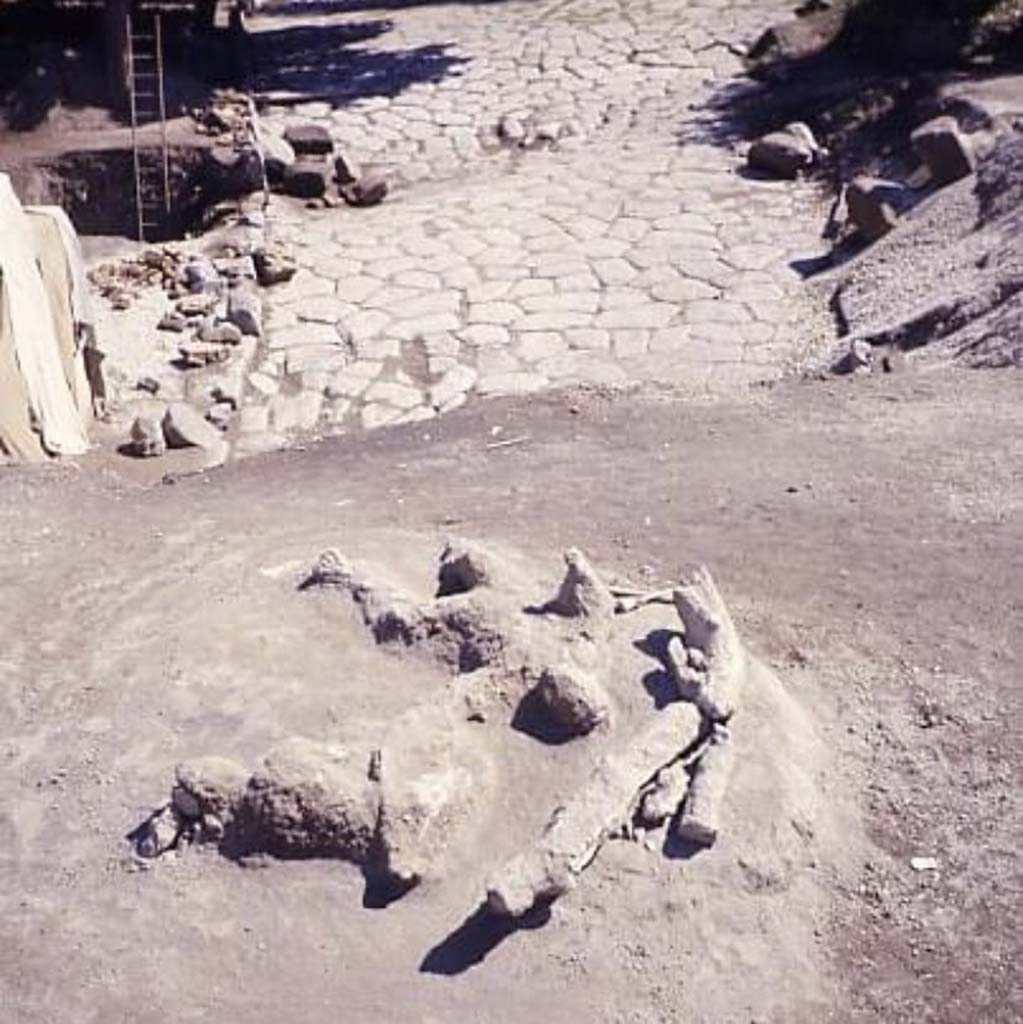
[326,62]
[476,937]
[321,7]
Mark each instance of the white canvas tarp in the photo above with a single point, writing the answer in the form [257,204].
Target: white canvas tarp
[59,257]
[38,409]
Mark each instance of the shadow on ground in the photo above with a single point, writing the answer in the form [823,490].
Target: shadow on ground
[314,7]
[477,937]
[325,62]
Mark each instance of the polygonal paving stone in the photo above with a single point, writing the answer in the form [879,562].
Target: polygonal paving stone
[531,286]
[485,335]
[655,314]
[510,384]
[588,338]
[580,302]
[629,342]
[556,321]
[460,277]
[715,311]
[457,380]
[568,364]
[303,334]
[536,345]
[376,414]
[727,336]
[753,257]
[392,298]
[430,304]
[314,357]
[379,348]
[358,288]
[487,291]
[615,298]
[367,324]
[670,339]
[441,344]
[683,289]
[491,361]
[614,271]
[402,396]
[436,323]
[493,313]
[437,366]
[585,282]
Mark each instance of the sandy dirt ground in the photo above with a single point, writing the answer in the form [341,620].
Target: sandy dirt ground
[867,534]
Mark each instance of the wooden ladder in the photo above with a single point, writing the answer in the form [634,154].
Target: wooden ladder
[151,163]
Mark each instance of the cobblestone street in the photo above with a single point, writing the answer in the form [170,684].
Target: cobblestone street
[560,213]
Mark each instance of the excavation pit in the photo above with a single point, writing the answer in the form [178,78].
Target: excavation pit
[95,183]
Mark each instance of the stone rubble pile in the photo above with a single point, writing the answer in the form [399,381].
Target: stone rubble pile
[121,283]
[952,139]
[300,164]
[217,308]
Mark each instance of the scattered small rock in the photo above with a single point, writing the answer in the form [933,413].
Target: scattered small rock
[306,179]
[183,427]
[861,355]
[200,304]
[220,415]
[227,393]
[172,322]
[785,153]
[797,38]
[146,438]
[245,309]
[367,191]
[274,265]
[874,205]
[196,354]
[159,834]
[235,268]
[945,150]
[201,276]
[511,130]
[226,333]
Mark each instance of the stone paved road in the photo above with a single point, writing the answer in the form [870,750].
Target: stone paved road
[628,250]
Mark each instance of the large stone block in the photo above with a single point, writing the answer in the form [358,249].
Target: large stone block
[946,151]
[309,139]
